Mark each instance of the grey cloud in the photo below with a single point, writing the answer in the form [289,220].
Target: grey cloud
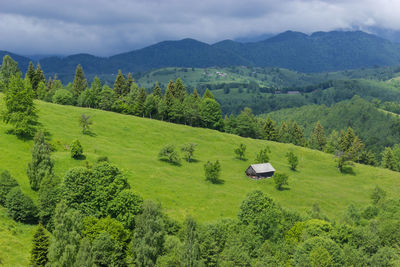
[105,27]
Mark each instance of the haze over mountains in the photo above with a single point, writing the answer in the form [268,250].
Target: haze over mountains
[318,52]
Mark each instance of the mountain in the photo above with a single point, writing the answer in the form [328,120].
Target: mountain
[318,52]
[23,62]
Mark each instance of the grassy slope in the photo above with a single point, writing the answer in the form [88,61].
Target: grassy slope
[133,144]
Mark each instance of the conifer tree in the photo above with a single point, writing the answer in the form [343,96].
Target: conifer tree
[347,139]
[388,160]
[297,135]
[157,91]
[269,130]
[80,83]
[31,72]
[139,103]
[42,164]
[318,139]
[208,94]
[40,247]
[120,84]
[129,82]
[333,142]
[37,78]
[170,94]
[180,90]
[196,94]
[210,114]
[20,110]
[284,134]
[356,149]
[8,68]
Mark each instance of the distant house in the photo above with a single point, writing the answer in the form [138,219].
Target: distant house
[258,171]
[293,92]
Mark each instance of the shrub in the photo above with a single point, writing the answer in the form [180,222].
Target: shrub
[76,149]
[62,97]
[168,152]
[240,151]
[7,182]
[292,160]
[20,207]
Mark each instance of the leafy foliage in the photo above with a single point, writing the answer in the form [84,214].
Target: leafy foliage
[280,180]
[240,151]
[212,172]
[292,160]
[20,207]
[170,154]
[7,182]
[76,149]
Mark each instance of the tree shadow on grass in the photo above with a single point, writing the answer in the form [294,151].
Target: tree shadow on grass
[217,182]
[284,189]
[90,133]
[194,161]
[348,170]
[81,157]
[171,163]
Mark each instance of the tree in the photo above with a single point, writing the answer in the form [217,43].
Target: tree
[129,82]
[343,159]
[62,97]
[269,130]
[297,135]
[240,151]
[125,208]
[280,179]
[76,149]
[292,160]
[191,247]
[180,90]
[333,143]
[388,160]
[170,154]
[246,124]
[8,69]
[138,108]
[120,85]
[212,172]
[20,207]
[318,139]
[150,106]
[85,122]
[80,83]
[157,91]
[49,196]
[347,139]
[188,149]
[149,235]
[65,241]
[40,247]
[7,182]
[31,72]
[85,254]
[107,252]
[208,94]
[37,79]
[41,165]
[20,109]
[263,155]
[284,133]
[378,195]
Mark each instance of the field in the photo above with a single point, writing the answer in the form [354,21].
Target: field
[133,144]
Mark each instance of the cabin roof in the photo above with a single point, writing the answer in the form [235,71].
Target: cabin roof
[262,167]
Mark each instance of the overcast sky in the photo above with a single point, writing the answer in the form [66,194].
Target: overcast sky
[106,27]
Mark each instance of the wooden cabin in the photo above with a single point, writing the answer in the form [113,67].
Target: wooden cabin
[259,171]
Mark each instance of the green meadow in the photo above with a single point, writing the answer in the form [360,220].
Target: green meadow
[133,143]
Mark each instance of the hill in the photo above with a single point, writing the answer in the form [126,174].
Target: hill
[318,52]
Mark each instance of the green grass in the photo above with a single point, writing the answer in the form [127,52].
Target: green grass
[133,144]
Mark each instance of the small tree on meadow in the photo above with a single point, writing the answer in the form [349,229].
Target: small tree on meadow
[343,159]
[240,151]
[292,160]
[263,155]
[168,152]
[76,149]
[85,122]
[188,149]
[212,171]
[280,180]
[7,182]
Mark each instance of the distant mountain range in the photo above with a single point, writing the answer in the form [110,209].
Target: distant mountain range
[318,52]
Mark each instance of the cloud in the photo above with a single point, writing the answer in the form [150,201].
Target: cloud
[104,27]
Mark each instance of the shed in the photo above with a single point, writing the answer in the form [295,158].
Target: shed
[262,170]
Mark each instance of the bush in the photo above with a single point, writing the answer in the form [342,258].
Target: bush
[76,149]
[62,97]
[280,180]
[21,207]
[7,182]
[292,160]
[212,172]
[168,152]
[262,156]
[240,151]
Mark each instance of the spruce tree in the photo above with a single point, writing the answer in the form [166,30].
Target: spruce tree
[284,134]
[120,84]
[347,139]
[333,142]
[40,247]
[80,83]
[157,91]
[297,135]
[196,94]
[208,94]
[318,139]
[8,68]
[37,78]
[31,72]
[139,103]
[129,82]
[180,90]
[388,160]
[269,130]
[42,164]
[20,110]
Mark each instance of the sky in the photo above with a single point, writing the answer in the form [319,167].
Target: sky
[107,27]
